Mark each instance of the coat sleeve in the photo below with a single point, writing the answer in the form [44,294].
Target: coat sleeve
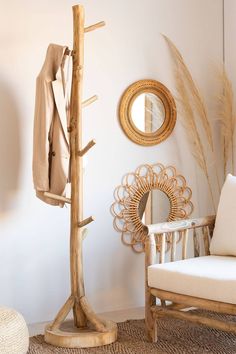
[43,117]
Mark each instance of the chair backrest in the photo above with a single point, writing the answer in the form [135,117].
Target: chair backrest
[223,242]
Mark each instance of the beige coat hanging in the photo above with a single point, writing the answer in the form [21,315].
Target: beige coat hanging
[51,154]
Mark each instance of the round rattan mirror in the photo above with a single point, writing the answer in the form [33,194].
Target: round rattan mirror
[147,112]
[171,201]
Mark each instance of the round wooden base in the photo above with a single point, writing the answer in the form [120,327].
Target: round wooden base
[69,336]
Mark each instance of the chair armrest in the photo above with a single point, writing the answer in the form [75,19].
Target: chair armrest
[150,250]
[180,225]
[176,230]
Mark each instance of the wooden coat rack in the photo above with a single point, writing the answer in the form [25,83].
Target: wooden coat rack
[87,329]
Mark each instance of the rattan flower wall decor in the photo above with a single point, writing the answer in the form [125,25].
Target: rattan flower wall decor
[130,198]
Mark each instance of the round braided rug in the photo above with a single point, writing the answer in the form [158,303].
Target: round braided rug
[174,337]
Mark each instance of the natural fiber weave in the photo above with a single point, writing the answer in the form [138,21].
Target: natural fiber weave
[14,335]
[174,337]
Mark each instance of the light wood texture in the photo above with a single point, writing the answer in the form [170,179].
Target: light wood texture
[125,108]
[150,300]
[91,316]
[85,222]
[150,246]
[184,243]
[181,301]
[136,313]
[69,336]
[173,246]
[180,225]
[87,329]
[57,197]
[94,27]
[162,248]
[196,244]
[87,148]
[218,324]
[89,101]
[77,281]
[206,237]
[191,301]
[63,313]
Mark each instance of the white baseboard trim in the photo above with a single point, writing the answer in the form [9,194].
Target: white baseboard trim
[116,316]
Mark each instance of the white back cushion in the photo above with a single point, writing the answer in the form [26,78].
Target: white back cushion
[223,242]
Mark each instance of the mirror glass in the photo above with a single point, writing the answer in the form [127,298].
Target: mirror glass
[154,207]
[148,112]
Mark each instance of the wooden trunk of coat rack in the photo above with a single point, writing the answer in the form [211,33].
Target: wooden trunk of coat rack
[87,329]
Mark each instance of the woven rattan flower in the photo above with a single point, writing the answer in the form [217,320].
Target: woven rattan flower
[129,195]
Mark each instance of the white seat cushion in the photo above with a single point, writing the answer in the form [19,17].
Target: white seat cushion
[209,277]
[223,242]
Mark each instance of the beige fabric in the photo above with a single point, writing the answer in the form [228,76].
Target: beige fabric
[209,277]
[51,139]
[14,335]
[223,242]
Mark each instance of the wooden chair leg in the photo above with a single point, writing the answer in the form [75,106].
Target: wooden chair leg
[150,300]
[151,323]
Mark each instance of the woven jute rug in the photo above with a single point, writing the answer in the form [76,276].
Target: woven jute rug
[174,337]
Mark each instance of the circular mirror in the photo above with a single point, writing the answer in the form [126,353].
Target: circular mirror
[154,207]
[160,206]
[147,112]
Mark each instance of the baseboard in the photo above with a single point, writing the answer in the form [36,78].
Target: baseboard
[116,316]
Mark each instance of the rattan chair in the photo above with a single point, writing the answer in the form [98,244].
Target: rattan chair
[205,281]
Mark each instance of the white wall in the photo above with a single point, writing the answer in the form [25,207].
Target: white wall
[34,237]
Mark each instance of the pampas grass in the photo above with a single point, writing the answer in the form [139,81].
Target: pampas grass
[227,118]
[190,101]
[196,97]
[188,121]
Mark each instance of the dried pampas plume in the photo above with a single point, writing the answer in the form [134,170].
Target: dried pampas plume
[193,136]
[227,118]
[190,126]
[190,100]
[197,100]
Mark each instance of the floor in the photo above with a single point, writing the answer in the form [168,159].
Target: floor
[117,316]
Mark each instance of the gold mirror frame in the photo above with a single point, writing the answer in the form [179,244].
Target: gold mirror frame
[126,208]
[126,102]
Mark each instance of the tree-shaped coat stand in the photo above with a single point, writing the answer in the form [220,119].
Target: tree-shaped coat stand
[87,329]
